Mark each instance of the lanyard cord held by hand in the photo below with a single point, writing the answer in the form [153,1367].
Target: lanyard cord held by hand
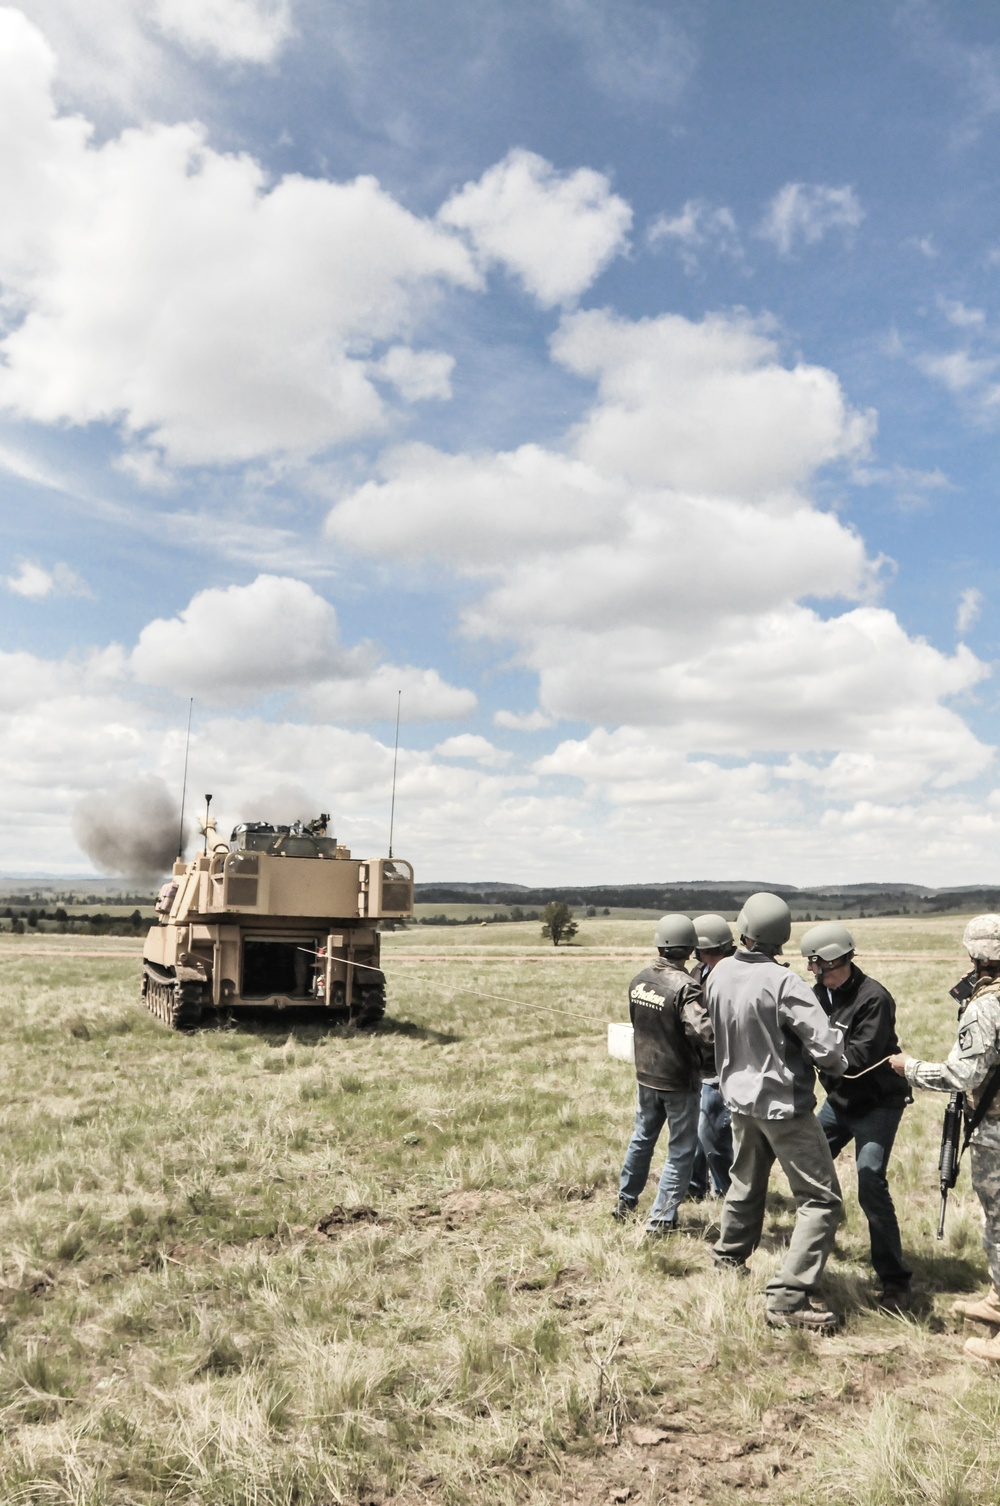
[481,993]
[502,998]
[853,1076]
[585,1019]
[551,1009]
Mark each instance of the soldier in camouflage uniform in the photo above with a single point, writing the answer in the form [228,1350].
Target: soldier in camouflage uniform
[967,1070]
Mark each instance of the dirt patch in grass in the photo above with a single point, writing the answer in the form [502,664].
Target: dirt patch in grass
[339,1218]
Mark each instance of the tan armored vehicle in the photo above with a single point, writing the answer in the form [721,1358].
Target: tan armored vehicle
[279,916]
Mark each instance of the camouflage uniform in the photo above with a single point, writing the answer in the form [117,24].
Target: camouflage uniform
[969,1063]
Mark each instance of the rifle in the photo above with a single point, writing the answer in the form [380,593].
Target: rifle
[954,1115]
[951,1150]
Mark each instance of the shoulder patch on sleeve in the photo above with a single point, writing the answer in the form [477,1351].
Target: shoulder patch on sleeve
[970,1039]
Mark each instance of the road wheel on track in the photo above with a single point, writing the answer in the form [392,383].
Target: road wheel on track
[369,1006]
[176,1004]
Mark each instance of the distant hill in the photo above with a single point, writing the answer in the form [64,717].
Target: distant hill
[728,895]
[477,890]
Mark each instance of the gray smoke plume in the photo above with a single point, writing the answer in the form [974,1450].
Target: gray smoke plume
[281,806]
[130,829]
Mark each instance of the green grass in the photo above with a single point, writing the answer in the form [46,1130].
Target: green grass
[471,1325]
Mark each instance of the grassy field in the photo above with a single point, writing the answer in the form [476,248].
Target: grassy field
[281,1265]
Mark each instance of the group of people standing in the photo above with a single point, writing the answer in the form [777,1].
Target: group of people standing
[726,1055]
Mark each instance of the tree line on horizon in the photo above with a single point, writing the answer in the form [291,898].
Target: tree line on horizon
[853,899]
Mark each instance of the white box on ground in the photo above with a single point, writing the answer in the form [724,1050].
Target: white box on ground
[621,1043]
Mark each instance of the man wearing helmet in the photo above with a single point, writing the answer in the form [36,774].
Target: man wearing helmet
[673,1041]
[769,1032]
[972,1069]
[866,1106]
[714,1155]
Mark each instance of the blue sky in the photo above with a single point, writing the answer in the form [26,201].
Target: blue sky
[619,381]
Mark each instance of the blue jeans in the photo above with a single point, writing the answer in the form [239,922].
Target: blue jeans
[873,1132]
[679,1112]
[715,1144]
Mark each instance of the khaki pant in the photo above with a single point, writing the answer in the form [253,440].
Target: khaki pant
[801,1150]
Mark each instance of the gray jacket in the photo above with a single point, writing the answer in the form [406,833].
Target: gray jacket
[769,1030]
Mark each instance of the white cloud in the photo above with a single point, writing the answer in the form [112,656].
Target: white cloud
[277,635]
[912,488]
[652,574]
[682,409]
[27,678]
[35,582]
[698,228]
[959,370]
[781,680]
[554,232]
[627,768]
[171,288]
[131,53]
[469,745]
[145,467]
[27,468]
[632,51]
[240,642]
[802,213]
[372,697]
[110,52]
[246,31]
[614,587]
[70,728]
[970,604]
[705,405]
[522,721]
[972,67]
[958,313]
[476,509]
[416,374]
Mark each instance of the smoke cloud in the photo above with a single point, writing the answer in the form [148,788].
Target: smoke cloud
[281,805]
[131,829]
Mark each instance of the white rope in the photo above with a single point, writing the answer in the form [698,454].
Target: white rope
[479,993]
[585,1019]
[853,1076]
[518,1003]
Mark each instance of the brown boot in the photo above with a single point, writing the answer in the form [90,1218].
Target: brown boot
[980,1309]
[984,1349]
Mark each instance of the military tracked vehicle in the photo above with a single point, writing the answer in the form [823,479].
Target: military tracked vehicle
[277,917]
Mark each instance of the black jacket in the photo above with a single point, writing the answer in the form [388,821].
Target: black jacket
[866,1012]
[673,1034]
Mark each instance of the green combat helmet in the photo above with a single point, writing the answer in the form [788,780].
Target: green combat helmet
[829,941]
[675,933]
[766,919]
[982,938]
[713,933]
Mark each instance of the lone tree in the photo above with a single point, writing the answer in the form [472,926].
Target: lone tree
[558,922]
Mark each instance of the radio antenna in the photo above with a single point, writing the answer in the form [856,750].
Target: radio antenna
[395,757]
[184,782]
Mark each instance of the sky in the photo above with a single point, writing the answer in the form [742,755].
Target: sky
[613,386]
